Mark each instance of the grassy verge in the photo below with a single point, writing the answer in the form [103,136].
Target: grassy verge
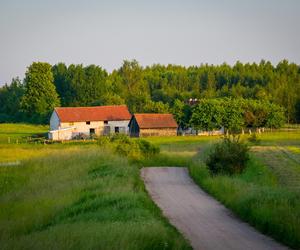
[256,197]
[80,198]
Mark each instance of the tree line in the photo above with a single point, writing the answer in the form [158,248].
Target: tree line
[156,88]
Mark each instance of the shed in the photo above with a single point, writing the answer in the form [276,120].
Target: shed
[142,125]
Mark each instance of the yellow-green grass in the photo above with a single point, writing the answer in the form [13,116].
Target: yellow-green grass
[283,138]
[24,151]
[80,198]
[266,195]
[18,132]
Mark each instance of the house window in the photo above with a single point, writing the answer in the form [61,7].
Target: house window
[117,130]
[105,122]
[92,131]
[71,123]
[88,123]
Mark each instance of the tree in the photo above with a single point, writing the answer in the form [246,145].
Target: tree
[135,89]
[207,115]
[182,113]
[156,107]
[232,117]
[275,117]
[60,74]
[10,98]
[40,96]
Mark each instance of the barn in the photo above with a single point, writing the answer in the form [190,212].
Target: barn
[79,122]
[142,125]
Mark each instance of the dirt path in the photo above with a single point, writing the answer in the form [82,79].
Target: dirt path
[205,222]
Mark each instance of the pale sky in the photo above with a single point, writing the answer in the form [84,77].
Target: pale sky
[186,32]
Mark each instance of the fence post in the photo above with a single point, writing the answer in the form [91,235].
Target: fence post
[8,139]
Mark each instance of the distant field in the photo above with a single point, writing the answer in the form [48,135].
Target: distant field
[13,132]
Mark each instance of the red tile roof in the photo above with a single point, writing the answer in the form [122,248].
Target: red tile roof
[155,120]
[97,113]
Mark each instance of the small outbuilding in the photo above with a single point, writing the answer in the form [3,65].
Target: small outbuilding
[142,125]
[79,122]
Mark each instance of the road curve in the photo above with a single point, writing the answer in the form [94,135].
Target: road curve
[205,222]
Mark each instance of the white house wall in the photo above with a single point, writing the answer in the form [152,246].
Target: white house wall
[54,121]
[68,130]
[120,124]
[83,128]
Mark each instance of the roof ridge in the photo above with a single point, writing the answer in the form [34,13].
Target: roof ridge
[93,106]
[153,114]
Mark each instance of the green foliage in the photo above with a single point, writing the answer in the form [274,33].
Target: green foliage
[135,89]
[228,157]
[254,139]
[182,113]
[147,149]
[207,115]
[10,98]
[160,88]
[40,96]
[78,85]
[232,118]
[134,149]
[235,114]
[156,107]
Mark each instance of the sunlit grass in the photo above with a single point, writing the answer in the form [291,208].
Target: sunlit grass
[80,198]
[16,132]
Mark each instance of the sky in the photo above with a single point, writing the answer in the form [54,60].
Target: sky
[185,32]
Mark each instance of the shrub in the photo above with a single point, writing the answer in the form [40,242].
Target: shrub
[103,140]
[253,138]
[148,149]
[134,149]
[228,157]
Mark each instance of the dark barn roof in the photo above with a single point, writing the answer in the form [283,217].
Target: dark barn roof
[155,121]
[97,113]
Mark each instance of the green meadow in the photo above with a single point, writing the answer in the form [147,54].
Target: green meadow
[83,196]
[66,196]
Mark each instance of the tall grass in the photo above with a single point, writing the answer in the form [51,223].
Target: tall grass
[256,197]
[84,198]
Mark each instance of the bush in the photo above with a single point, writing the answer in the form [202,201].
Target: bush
[134,149]
[254,139]
[103,140]
[228,157]
[148,149]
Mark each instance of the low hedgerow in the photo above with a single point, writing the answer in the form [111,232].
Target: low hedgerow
[254,139]
[228,157]
[134,149]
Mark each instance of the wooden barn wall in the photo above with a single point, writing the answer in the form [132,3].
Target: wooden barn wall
[158,132]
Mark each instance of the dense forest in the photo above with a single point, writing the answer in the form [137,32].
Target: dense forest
[156,88]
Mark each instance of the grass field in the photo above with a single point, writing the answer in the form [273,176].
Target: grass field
[65,196]
[267,194]
[81,196]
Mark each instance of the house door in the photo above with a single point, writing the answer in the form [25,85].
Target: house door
[92,131]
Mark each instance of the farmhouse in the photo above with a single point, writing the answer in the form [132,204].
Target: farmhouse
[78,122]
[152,125]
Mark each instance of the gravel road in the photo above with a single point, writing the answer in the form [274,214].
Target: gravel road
[205,222]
